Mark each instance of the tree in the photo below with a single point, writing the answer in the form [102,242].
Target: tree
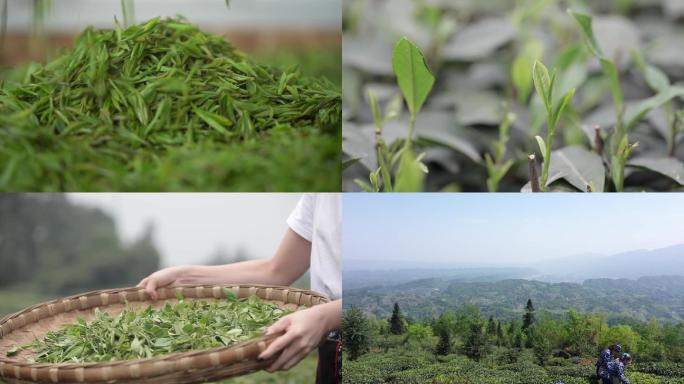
[491,326]
[500,340]
[541,345]
[444,343]
[582,332]
[418,331]
[396,321]
[518,343]
[475,345]
[528,317]
[355,333]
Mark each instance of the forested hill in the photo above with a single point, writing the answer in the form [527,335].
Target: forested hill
[619,299]
[52,246]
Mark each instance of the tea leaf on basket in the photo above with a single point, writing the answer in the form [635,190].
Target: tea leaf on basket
[186,325]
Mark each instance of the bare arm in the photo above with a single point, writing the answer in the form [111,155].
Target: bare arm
[291,260]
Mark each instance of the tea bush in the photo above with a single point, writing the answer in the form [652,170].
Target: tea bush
[605,112]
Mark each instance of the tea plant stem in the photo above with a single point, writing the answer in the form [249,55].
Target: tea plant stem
[496,166]
[534,177]
[412,125]
[598,140]
[547,155]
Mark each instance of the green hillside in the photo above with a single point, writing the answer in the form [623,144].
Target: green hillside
[620,299]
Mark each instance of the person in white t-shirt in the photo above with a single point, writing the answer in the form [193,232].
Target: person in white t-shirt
[312,241]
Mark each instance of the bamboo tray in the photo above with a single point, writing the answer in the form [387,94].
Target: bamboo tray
[196,366]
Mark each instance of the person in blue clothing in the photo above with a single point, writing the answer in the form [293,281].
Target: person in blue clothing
[616,369]
[605,357]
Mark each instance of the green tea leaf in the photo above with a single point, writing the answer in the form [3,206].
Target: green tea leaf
[521,76]
[375,109]
[213,120]
[543,84]
[413,75]
[542,145]
[562,104]
[636,114]
[186,325]
[13,351]
[613,75]
[166,95]
[585,23]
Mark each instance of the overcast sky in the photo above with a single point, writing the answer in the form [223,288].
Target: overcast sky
[506,229]
[77,14]
[190,227]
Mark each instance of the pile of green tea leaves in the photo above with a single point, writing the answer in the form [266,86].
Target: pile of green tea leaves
[164,106]
[186,325]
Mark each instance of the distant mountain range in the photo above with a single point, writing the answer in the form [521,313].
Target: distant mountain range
[369,278]
[360,273]
[630,265]
[635,285]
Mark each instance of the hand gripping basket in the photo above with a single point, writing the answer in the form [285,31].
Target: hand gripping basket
[196,366]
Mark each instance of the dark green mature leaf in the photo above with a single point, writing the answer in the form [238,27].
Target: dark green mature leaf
[634,115]
[668,166]
[413,75]
[580,167]
[479,39]
[186,325]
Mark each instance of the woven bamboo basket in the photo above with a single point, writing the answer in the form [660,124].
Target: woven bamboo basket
[196,366]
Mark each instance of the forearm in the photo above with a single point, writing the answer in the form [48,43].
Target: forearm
[246,272]
[329,314]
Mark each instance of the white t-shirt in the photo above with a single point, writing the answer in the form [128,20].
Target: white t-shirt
[318,218]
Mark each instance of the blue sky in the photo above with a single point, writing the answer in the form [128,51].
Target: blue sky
[506,229]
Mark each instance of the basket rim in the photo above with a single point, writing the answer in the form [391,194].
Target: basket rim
[15,368]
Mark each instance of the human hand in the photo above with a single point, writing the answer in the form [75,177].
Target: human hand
[161,278]
[303,331]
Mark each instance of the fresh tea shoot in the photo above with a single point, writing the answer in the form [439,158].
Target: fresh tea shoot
[186,325]
[415,82]
[164,106]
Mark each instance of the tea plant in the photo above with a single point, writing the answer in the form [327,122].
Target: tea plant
[163,106]
[415,82]
[496,166]
[186,325]
[620,147]
[544,85]
[620,130]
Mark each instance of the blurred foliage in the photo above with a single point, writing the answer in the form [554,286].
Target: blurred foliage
[304,372]
[51,246]
[324,61]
